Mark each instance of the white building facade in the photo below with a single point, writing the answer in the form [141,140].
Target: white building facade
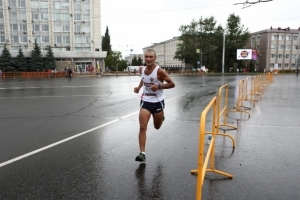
[71,27]
[165,52]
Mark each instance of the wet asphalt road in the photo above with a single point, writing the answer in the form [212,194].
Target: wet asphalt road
[77,139]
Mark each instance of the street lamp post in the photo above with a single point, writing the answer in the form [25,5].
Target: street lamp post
[223,56]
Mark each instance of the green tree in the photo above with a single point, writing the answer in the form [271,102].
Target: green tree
[122,65]
[106,46]
[134,61]
[113,59]
[207,36]
[21,62]
[5,59]
[198,35]
[49,59]
[140,61]
[236,37]
[36,59]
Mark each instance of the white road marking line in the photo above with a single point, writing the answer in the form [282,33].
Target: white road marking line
[257,109]
[72,137]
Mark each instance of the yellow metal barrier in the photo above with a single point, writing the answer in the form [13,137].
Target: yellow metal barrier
[222,100]
[210,155]
[240,110]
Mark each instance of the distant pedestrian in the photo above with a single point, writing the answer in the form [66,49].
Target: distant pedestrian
[70,72]
[1,73]
[297,71]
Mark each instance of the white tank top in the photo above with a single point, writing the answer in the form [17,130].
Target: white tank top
[149,95]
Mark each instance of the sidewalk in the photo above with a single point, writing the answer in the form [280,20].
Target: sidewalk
[265,163]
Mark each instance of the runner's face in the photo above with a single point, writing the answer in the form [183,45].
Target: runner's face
[150,58]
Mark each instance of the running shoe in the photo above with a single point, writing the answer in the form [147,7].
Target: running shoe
[141,157]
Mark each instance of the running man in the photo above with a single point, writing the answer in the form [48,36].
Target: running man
[155,80]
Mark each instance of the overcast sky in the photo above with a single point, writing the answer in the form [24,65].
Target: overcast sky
[134,24]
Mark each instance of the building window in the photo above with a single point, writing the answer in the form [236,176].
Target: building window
[2,38]
[287,37]
[273,56]
[13,15]
[86,17]
[66,28]
[78,39]
[295,46]
[21,3]
[86,39]
[56,16]
[56,5]
[43,5]
[293,66]
[1,15]
[86,29]
[23,38]
[14,27]
[57,39]
[14,39]
[35,15]
[286,66]
[274,37]
[34,4]
[257,38]
[23,27]
[287,56]
[44,16]
[12,3]
[280,37]
[57,28]
[281,47]
[288,47]
[65,17]
[257,47]
[37,39]
[36,27]
[273,46]
[279,66]
[86,6]
[295,37]
[22,15]
[45,27]
[66,39]
[65,5]
[77,17]
[77,6]
[45,39]
[78,28]
[279,55]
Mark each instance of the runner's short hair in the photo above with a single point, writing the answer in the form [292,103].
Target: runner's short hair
[151,50]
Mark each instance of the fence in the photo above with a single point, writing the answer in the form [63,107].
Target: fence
[217,110]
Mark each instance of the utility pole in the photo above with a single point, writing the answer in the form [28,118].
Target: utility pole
[223,52]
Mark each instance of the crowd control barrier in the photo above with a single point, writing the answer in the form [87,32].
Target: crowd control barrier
[210,155]
[222,110]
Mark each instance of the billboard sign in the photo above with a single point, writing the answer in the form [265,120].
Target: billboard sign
[254,54]
[244,54]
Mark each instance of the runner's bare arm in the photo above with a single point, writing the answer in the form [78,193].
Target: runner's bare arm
[164,77]
[137,89]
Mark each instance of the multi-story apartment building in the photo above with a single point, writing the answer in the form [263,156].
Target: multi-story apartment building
[165,52]
[276,47]
[71,27]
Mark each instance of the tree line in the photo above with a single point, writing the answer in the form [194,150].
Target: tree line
[207,36]
[36,62]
